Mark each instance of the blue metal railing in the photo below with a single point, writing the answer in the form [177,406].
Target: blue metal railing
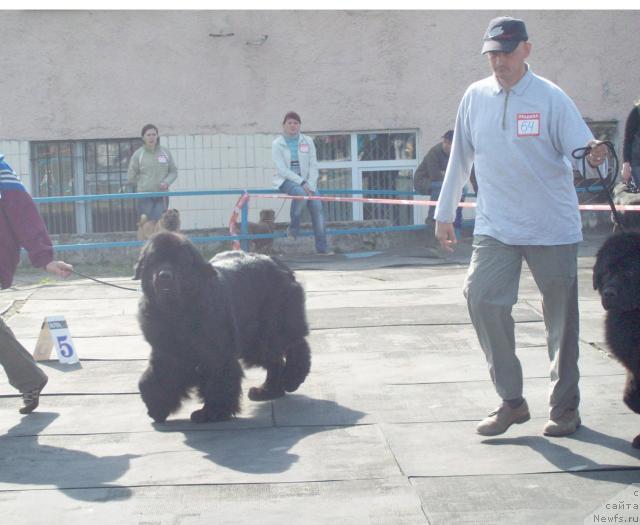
[244,236]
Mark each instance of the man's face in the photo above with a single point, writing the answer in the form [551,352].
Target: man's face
[509,68]
[446,146]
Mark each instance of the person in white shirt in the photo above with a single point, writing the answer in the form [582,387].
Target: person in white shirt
[519,130]
[294,156]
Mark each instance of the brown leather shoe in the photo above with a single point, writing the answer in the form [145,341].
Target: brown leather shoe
[566,424]
[502,418]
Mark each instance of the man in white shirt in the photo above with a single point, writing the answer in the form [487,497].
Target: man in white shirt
[518,130]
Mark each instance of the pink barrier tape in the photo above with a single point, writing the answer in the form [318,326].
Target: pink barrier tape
[419,202]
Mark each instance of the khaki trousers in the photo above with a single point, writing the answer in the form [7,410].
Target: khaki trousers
[21,368]
[491,289]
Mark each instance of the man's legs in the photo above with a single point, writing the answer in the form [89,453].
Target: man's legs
[554,269]
[297,205]
[491,289]
[317,219]
[22,371]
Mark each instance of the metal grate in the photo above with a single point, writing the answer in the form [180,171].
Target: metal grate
[106,163]
[394,180]
[386,146]
[54,175]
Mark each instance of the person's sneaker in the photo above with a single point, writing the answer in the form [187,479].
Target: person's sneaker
[328,252]
[31,399]
[566,424]
[502,418]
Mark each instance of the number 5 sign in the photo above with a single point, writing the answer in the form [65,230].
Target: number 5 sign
[55,332]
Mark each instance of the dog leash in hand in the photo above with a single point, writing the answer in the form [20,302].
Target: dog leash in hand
[581,154]
[104,282]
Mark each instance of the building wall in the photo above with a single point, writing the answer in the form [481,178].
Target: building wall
[217,83]
[98,74]
[219,162]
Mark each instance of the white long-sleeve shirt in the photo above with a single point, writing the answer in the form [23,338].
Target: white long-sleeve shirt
[520,142]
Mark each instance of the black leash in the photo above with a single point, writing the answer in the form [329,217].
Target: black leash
[607,182]
[104,282]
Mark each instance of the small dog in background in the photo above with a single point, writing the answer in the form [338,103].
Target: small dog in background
[169,221]
[266,225]
[146,228]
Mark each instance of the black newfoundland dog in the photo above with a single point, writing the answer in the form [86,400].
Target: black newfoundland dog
[616,276]
[201,317]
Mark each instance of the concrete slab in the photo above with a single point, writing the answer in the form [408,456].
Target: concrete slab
[434,402]
[603,442]
[80,325]
[553,499]
[382,431]
[103,377]
[119,348]
[111,413]
[174,457]
[81,307]
[378,501]
[454,313]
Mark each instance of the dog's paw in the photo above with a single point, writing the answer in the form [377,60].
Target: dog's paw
[258,393]
[206,416]
[636,442]
[158,417]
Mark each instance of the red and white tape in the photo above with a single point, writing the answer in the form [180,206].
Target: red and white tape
[419,202]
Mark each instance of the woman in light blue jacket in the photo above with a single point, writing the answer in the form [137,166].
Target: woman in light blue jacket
[296,163]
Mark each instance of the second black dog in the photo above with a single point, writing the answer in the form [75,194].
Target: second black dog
[616,276]
[201,317]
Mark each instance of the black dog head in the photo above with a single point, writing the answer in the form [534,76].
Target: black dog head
[172,270]
[616,274]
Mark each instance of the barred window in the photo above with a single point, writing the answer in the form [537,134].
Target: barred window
[90,167]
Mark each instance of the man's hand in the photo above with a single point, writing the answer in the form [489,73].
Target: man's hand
[164,186]
[59,268]
[598,153]
[446,235]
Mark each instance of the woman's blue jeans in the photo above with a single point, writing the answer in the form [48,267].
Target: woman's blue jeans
[315,210]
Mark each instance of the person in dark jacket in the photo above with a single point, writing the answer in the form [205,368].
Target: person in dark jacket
[21,226]
[631,146]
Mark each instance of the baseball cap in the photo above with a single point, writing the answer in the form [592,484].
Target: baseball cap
[448,135]
[504,34]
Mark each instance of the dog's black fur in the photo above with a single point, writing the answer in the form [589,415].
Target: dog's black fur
[616,276]
[201,317]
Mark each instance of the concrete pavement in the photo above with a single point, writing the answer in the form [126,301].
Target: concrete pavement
[382,431]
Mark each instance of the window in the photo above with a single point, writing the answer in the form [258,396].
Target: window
[367,161]
[84,167]
[54,175]
[105,171]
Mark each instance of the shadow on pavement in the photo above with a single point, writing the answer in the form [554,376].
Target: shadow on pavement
[24,461]
[262,450]
[568,461]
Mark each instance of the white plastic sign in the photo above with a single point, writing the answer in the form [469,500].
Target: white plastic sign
[55,332]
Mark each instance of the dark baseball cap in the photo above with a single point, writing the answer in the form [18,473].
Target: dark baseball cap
[448,135]
[504,34]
